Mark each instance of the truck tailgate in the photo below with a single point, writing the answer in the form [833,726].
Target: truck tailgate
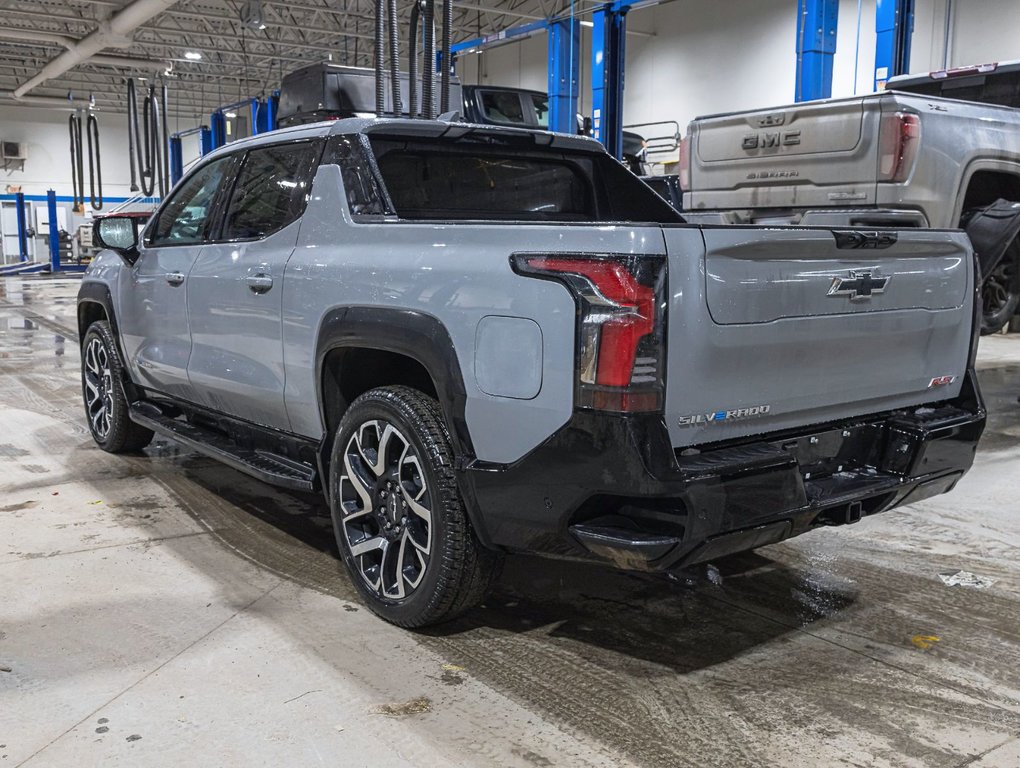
[774,329]
[817,153]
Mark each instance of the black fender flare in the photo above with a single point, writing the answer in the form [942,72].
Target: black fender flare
[96,293]
[422,338]
[408,332]
[92,292]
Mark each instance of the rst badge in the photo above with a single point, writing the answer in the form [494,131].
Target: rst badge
[941,381]
[716,417]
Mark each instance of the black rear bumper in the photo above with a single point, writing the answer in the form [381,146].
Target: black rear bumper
[613,488]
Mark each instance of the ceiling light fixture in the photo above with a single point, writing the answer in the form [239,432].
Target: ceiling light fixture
[192,55]
[587,23]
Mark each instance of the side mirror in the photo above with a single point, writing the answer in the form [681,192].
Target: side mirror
[586,126]
[119,234]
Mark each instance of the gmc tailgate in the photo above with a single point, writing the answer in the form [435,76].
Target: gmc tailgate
[772,329]
[820,153]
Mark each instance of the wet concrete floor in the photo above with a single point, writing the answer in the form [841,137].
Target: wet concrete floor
[169,598]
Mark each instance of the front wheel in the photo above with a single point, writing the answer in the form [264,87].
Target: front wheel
[102,387]
[399,519]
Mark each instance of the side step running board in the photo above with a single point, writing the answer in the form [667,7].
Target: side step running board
[265,466]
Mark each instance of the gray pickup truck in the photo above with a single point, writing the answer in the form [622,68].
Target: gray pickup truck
[935,150]
[475,340]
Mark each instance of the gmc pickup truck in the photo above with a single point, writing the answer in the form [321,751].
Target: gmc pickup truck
[935,150]
[476,340]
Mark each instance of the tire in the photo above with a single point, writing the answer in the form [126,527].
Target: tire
[999,295]
[102,387]
[398,515]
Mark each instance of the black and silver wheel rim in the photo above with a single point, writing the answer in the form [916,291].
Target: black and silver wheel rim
[998,288]
[98,388]
[385,509]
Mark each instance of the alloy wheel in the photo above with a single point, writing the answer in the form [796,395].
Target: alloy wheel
[98,388]
[998,288]
[386,509]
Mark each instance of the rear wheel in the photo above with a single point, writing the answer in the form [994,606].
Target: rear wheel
[999,295]
[102,386]
[400,522]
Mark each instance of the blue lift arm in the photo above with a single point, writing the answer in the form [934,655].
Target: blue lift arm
[894,27]
[816,47]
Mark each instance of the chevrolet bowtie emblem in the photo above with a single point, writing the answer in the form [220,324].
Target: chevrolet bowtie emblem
[859,286]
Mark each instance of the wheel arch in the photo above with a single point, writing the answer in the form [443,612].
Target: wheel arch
[984,181]
[95,302]
[396,334]
[359,348]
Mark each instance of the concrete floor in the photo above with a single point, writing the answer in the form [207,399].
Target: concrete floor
[165,610]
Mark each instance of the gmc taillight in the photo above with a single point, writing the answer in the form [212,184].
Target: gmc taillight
[898,141]
[684,166]
[620,333]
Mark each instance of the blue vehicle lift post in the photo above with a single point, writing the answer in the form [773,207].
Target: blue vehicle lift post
[564,69]
[19,210]
[816,47]
[894,27]
[177,150]
[51,211]
[609,33]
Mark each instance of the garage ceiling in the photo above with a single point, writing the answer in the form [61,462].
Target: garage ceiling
[238,60]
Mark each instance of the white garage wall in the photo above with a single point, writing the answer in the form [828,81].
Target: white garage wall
[49,155]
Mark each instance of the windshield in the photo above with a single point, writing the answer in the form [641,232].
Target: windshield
[485,178]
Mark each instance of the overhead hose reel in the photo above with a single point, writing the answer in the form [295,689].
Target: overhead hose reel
[78,162]
[147,145]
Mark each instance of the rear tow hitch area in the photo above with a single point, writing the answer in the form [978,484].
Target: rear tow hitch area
[740,497]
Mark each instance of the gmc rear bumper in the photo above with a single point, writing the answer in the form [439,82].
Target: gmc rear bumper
[612,488]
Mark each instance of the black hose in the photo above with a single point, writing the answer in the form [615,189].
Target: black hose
[444,80]
[412,62]
[148,169]
[77,162]
[380,42]
[164,181]
[132,108]
[428,102]
[394,61]
[152,129]
[95,164]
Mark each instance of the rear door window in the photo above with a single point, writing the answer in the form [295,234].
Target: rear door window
[270,191]
[503,107]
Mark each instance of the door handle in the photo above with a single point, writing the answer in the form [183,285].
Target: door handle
[259,283]
[175,278]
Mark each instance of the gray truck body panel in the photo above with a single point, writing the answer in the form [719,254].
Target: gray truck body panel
[750,319]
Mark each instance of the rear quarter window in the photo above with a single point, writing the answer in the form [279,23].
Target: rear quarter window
[430,184]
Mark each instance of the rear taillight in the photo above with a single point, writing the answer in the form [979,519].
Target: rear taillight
[684,166]
[620,333]
[898,141]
